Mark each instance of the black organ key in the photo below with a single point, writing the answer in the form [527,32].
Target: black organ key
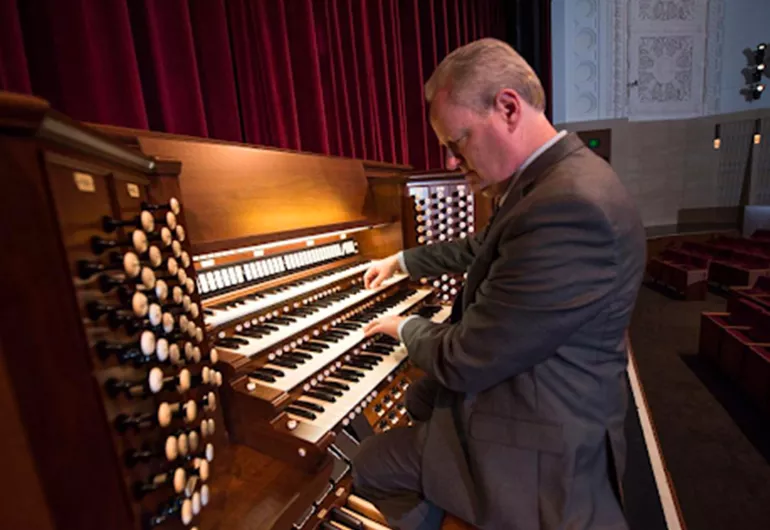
[310,347]
[271,371]
[292,357]
[326,390]
[280,361]
[300,355]
[308,405]
[316,344]
[343,518]
[262,376]
[372,359]
[351,372]
[301,412]
[347,326]
[335,384]
[323,394]
[342,374]
[328,526]
[357,363]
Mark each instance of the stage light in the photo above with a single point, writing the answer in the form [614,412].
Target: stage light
[757,90]
[759,53]
[756,72]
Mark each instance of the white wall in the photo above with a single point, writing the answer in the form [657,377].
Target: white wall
[746,24]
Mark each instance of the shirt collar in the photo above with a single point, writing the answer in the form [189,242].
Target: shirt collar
[531,158]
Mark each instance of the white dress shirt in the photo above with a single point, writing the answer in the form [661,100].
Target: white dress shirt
[531,158]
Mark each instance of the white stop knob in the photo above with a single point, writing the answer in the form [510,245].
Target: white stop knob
[185,258]
[177,294]
[196,503]
[165,236]
[180,234]
[172,448]
[186,512]
[203,469]
[147,221]
[194,440]
[147,342]
[174,354]
[205,375]
[186,303]
[214,355]
[131,265]
[164,414]
[161,350]
[180,477]
[168,322]
[198,335]
[156,258]
[182,275]
[183,321]
[171,220]
[184,446]
[190,328]
[190,285]
[210,452]
[172,266]
[173,203]
[184,380]
[161,290]
[194,311]
[196,356]
[176,248]
[155,314]
[148,278]
[188,350]
[155,380]
[218,378]
[212,401]
[191,411]
[204,494]
[139,240]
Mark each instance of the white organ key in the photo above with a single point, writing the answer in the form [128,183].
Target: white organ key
[223,316]
[293,377]
[256,345]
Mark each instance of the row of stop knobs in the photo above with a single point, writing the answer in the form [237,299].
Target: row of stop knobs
[152,277]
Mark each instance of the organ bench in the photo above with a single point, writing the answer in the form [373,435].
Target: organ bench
[181,341]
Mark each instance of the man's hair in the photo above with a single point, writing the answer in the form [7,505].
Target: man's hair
[476,72]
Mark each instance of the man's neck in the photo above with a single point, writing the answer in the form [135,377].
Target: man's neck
[498,189]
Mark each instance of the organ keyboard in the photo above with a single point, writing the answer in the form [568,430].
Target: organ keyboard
[205,327]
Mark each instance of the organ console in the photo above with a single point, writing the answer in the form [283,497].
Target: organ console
[201,299]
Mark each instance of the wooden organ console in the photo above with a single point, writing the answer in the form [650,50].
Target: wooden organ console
[182,340]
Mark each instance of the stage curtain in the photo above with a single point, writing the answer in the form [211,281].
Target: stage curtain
[340,77]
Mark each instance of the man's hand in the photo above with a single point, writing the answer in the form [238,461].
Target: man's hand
[387,325]
[380,271]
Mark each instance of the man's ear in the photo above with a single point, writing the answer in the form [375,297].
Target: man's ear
[508,103]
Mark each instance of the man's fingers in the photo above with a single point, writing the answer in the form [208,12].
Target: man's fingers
[369,275]
[371,328]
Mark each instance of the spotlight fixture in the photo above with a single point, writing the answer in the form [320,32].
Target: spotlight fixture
[759,53]
[757,90]
[756,72]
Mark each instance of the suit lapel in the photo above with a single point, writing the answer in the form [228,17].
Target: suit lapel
[520,187]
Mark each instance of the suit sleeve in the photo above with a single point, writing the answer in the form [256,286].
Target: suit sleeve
[442,258]
[550,277]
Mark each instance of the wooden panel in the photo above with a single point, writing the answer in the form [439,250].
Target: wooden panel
[234,191]
[22,503]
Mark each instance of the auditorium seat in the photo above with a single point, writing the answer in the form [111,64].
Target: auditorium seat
[762,234]
[736,342]
[755,376]
[739,269]
[758,292]
[714,325]
[680,271]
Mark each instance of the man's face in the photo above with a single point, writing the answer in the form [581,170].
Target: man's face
[477,143]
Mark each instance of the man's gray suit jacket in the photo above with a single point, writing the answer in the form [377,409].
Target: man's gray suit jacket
[530,386]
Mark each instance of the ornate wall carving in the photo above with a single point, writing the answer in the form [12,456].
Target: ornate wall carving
[667,48]
[582,60]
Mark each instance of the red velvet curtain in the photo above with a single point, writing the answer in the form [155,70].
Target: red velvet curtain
[341,77]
